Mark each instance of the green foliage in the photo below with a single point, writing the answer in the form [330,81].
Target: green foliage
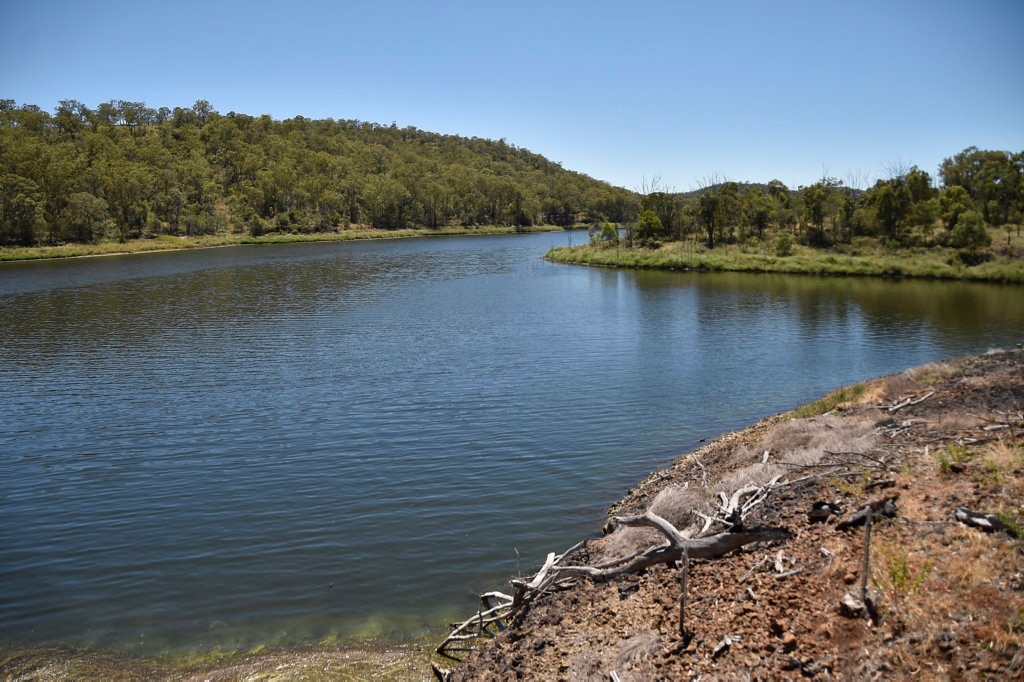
[784,244]
[993,474]
[934,264]
[1016,621]
[970,232]
[901,578]
[845,394]
[604,234]
[1013,527]
[994,181]
[953,458]
[649,228]
[124,171]
[953,201]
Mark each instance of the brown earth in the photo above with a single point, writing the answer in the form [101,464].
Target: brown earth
[948,598]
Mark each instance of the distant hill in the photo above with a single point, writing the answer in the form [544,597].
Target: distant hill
[124,170]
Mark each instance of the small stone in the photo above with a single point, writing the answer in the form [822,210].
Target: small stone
[850,578]
[852,606]
[788,641]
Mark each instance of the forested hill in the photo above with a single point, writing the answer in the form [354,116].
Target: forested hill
[124,170]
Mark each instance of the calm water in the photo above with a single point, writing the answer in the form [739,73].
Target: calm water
[195,446]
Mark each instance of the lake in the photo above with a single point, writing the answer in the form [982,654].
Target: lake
[323,442]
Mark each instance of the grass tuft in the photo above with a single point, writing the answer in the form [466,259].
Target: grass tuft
[841,396]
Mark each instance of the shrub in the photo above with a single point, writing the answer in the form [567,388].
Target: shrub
[784,244]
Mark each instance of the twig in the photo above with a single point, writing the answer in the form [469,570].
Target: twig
[684,567]
[754,568]
[867,558]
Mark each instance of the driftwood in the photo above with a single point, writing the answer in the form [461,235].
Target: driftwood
[554,575]
[698,548]
[498,610]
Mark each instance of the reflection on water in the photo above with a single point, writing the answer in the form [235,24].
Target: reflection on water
[297,442]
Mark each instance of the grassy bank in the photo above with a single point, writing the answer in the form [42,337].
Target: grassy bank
[1001,263]
[168,243]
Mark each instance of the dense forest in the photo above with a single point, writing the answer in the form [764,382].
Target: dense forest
[125,171]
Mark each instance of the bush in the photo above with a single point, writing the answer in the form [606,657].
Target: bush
[970,232]
[604,234]
[784,244]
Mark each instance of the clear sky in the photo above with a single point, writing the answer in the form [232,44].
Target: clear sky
[623,91]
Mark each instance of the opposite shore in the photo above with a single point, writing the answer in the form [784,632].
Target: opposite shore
[178,243]
[1004,265]
[866,258]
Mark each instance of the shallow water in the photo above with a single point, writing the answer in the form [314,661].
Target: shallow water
[310,442]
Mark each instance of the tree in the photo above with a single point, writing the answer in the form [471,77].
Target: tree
[667,208]
[730,208]
[970,233]
[604,233]
[709,207]
[815,210]
[385,200]
[993,180]
[649,228]
[891,200]
[708,211]
[20,210]
[759,211]
[88,215]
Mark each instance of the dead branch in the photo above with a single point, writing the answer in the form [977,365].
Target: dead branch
[880,461]
[885,507]
[676,547]
[499,608]
[912,400]
[754,568]
[684,568]
[990,523]
[698,548]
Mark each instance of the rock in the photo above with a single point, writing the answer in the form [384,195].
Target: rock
[852,606]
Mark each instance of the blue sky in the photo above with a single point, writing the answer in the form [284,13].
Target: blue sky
[626,92]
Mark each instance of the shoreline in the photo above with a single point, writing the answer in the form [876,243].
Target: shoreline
[168,243]
[946,596]
[930,264]
[411,659]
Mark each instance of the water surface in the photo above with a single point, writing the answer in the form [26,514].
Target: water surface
[292,443]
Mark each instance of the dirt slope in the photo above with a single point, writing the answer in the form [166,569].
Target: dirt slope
[948,598]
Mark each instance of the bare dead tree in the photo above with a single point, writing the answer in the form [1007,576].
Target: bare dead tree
[498,609]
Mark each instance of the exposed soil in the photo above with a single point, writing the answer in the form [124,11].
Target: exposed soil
[948,599]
